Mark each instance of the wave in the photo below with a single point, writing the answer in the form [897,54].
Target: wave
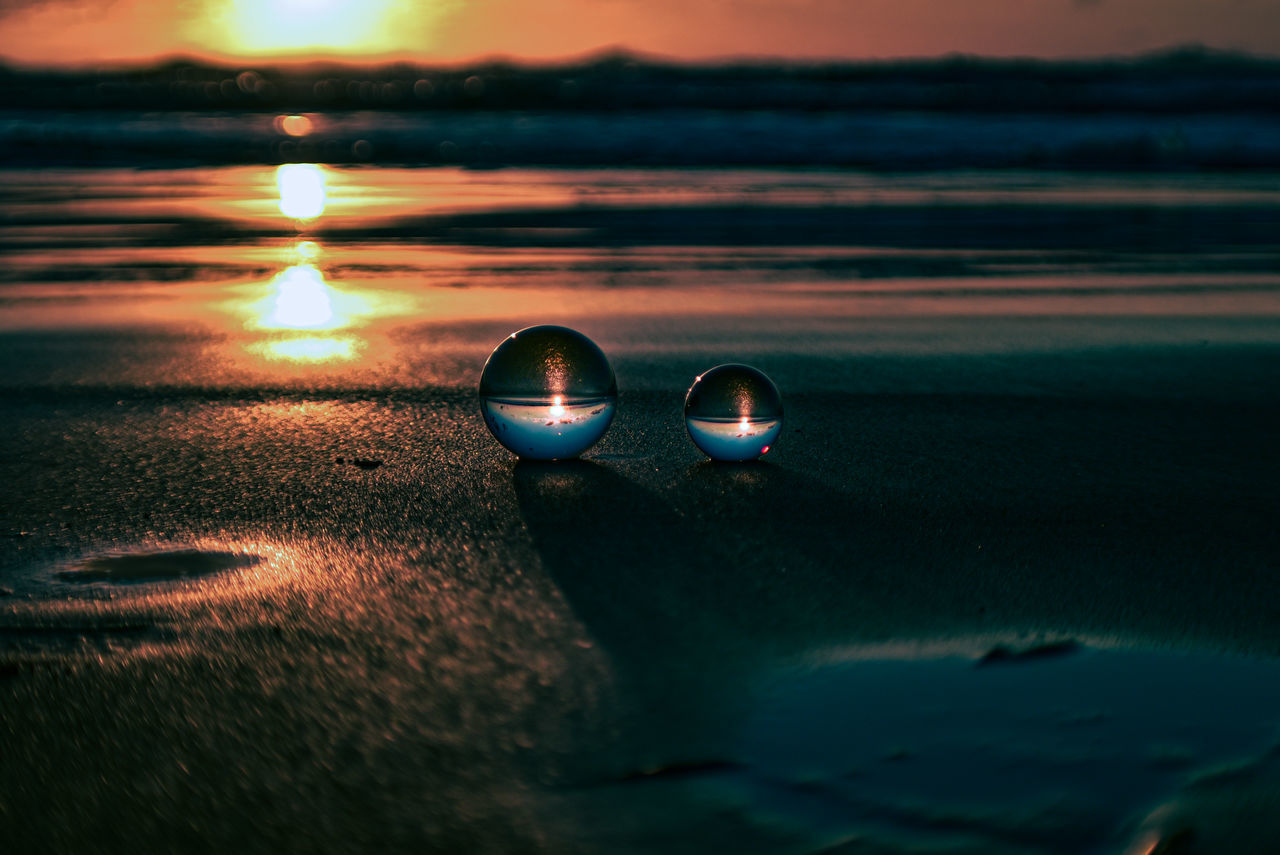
[1184,80]
[861,140]
[1186,109]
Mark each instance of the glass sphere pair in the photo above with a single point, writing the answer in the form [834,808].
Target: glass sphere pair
[549,393]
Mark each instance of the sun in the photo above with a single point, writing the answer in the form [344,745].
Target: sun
[277,27]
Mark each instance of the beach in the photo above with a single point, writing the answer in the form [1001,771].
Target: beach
[1006,583]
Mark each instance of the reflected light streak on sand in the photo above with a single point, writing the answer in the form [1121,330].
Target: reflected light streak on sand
[302,190]
[294,126]
[311,348]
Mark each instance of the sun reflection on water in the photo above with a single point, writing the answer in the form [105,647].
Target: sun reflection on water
[302,190]
[301,300]
[306,251]
[298,303]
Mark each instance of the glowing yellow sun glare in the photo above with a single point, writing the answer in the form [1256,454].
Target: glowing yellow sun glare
[290,26]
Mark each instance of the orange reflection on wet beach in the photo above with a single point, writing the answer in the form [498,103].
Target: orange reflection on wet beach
[299,299]
[312,348]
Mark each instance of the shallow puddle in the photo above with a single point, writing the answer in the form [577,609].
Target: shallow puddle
[1058,748]
[140,567]
[1054,753]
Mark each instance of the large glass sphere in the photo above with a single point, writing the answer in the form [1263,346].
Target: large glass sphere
[548,393]
[733,412]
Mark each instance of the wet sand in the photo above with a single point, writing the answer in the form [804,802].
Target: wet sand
[1006,583]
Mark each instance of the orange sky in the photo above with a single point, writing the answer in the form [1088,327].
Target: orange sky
[89,31]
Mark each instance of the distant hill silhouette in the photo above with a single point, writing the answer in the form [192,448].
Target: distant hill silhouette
[1182,80]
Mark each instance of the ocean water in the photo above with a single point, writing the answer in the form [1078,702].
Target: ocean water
[1114,201]
[398,276]
[1175,111]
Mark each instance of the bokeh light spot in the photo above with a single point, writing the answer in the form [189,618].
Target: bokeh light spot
[294,126]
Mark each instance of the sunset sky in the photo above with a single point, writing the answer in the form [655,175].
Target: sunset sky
[77,32]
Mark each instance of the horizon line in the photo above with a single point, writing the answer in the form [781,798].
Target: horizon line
[620,52]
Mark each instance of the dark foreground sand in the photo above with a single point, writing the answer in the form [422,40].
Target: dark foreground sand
[385,634]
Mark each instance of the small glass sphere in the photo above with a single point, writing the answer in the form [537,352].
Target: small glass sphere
[733,412]
[548,393]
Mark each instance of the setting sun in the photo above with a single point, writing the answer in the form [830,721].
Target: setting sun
[290,26]
[80,32]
